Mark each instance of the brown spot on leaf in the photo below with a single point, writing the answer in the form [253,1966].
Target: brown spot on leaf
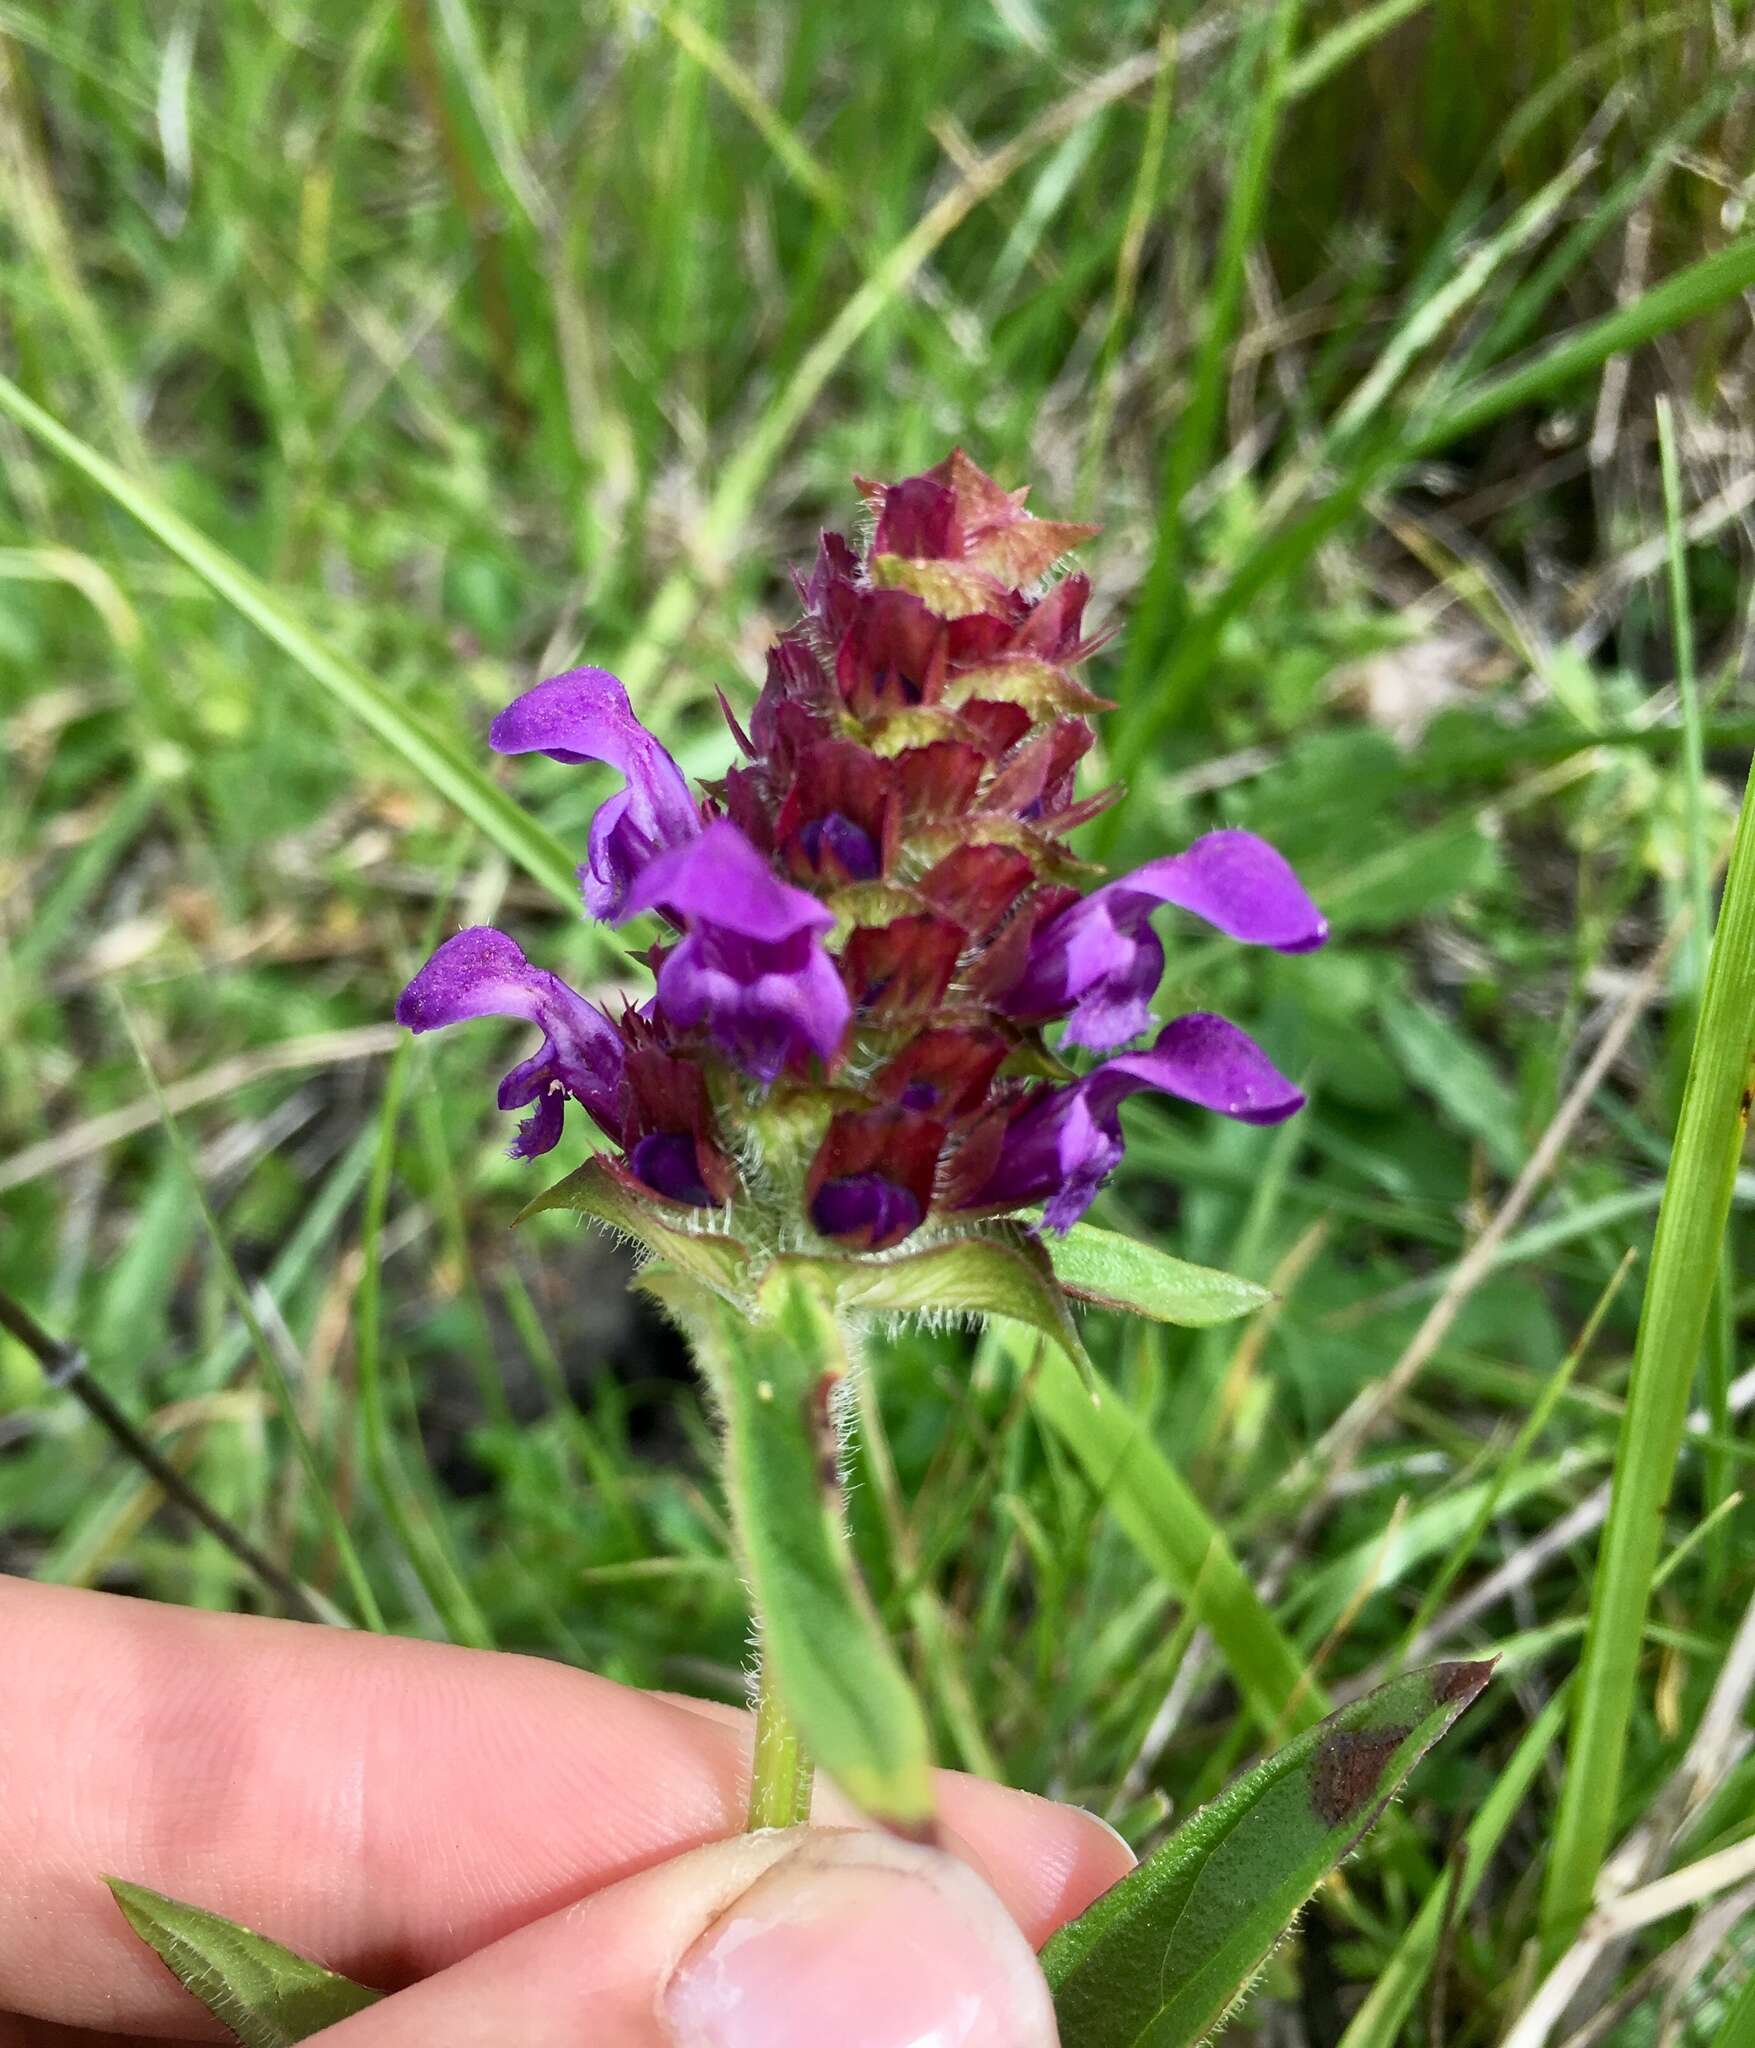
[1459,1683]
[1348,1772]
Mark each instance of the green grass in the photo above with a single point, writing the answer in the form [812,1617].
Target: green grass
[374,361]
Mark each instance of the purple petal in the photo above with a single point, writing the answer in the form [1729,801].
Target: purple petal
[865,1209]
[1065,1142]
[768,1003]
[1240,885]
[1205,1060]
[751,967]
[666,1161]
[1101,960]
[719,877]
[482,973]
[584,715]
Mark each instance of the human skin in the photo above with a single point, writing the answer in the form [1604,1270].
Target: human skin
[391,1807]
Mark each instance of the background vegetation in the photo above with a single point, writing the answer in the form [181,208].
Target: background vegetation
[465,339]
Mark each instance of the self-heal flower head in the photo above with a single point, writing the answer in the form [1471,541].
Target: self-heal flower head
[869,925]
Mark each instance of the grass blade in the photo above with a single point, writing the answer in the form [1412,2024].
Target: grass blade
[1690,293]
[1191,444]
[334,1523]
[433,755]
[1684,1271]
[1164,1520]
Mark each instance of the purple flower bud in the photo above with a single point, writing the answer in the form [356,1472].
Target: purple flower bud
[667,1163]
[584,715]
[1065,1142]
[482,973]
[751,967]
[1100,958]
[835,843]
[871,1181]
[865,1210]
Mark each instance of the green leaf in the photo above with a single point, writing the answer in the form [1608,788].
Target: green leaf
[1113,1271]
[1454,1071]
[594,1190]
[1003,1272]
[823,1647]
[1380,2020]
[1161,1958]
[266,1994]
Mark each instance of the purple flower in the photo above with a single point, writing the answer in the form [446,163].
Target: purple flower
[751,966]
[584,715]
[481,973]
[1100,958]
[1065,1142]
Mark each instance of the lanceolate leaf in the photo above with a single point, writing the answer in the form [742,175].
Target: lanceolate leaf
[1113,1271]
[1002,1272]
[594,1190]
[837,1676]
[266,1994]
[1159,1960]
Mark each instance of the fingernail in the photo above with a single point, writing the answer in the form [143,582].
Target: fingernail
[862,1941]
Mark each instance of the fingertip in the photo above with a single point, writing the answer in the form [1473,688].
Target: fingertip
[1047,1860]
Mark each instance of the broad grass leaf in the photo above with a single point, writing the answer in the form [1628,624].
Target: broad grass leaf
[1113,1271]
[1160,1959]
[1454,1071]
[823,1646]
[267,1995]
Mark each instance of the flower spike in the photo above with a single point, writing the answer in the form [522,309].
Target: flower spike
[874,919]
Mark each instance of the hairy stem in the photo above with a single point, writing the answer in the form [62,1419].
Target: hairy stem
[781,1770]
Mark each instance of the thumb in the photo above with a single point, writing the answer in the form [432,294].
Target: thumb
[790,1939]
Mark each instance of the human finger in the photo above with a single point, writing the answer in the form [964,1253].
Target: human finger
[388,1806]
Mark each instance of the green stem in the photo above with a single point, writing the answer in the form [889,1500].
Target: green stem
[849,1707]
[780,1768]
